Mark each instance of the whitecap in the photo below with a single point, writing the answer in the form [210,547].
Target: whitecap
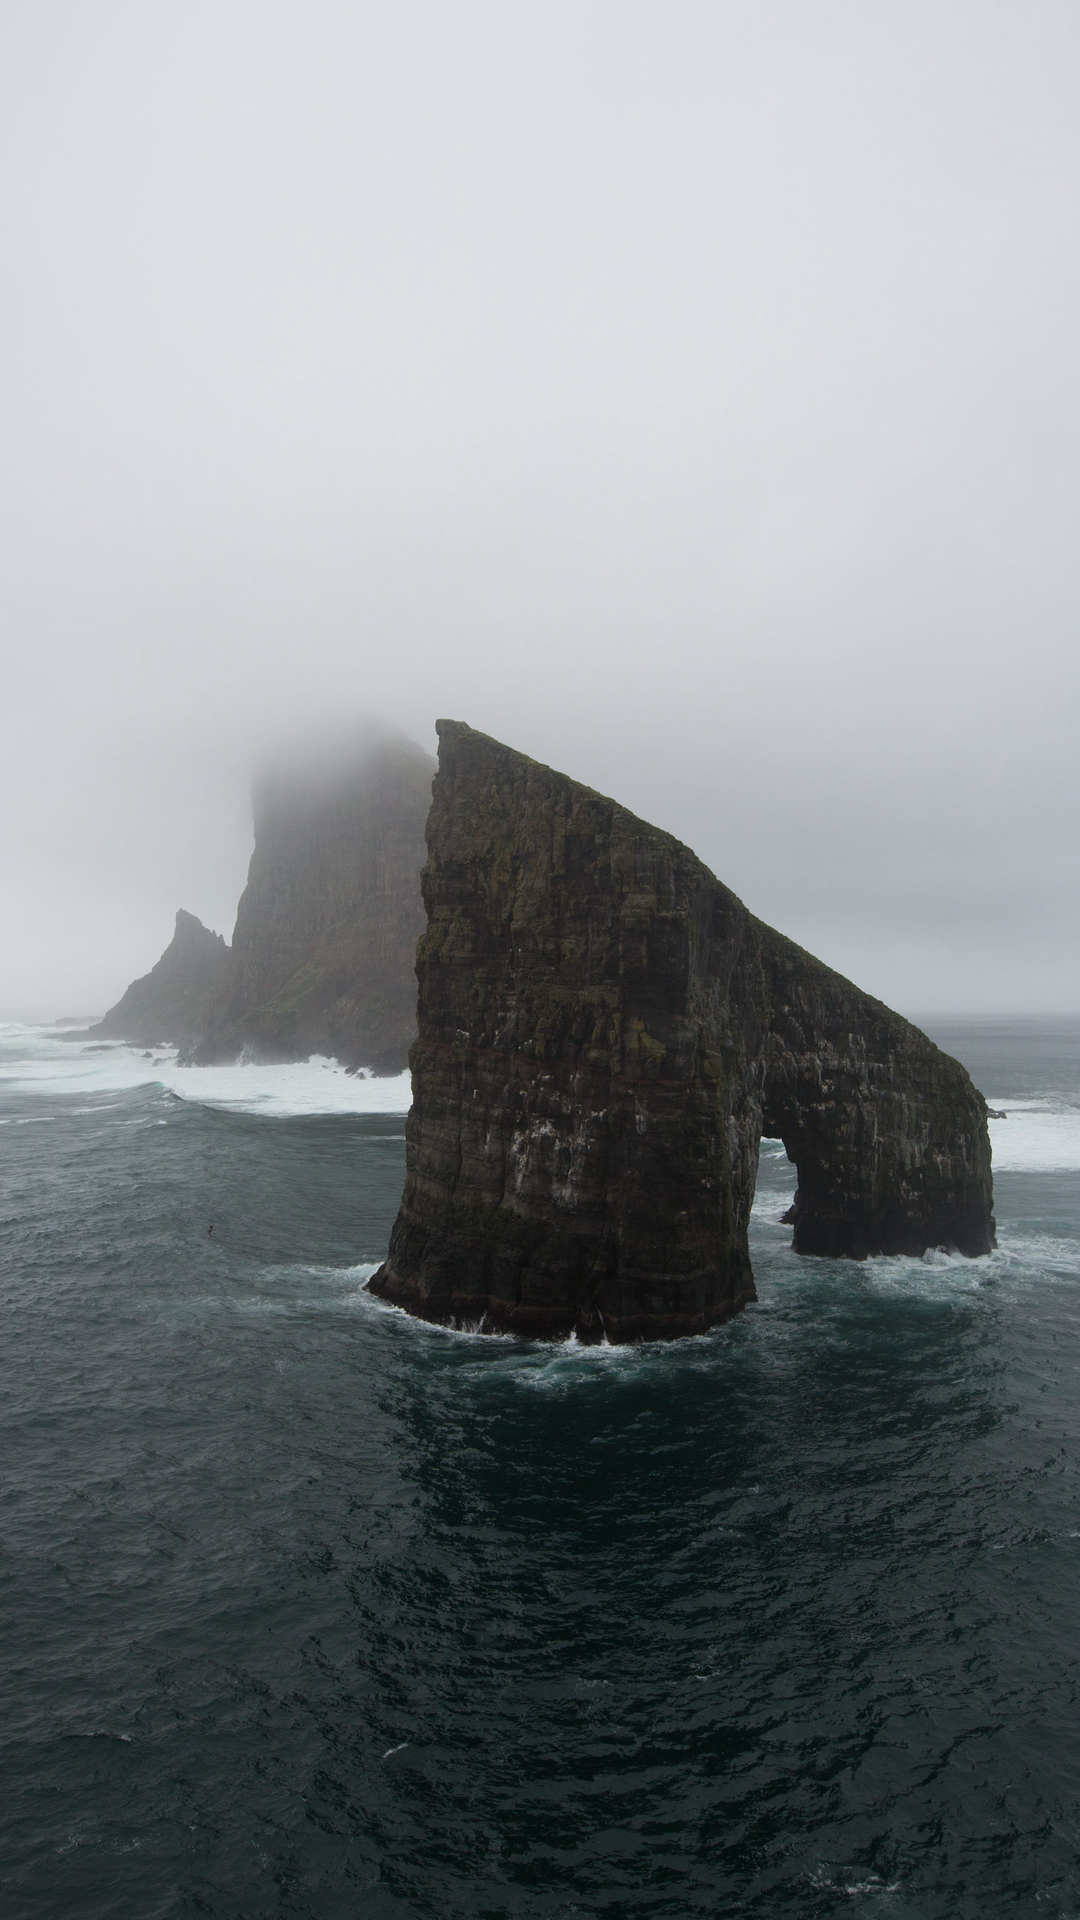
[1037,1136]
[1041,1253]
[33,1061]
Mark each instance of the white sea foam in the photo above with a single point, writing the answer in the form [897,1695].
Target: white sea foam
[32,1062]
[1020,1260]
[1039,1136]
[934,1275]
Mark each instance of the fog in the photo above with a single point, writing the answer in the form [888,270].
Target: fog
[686,394]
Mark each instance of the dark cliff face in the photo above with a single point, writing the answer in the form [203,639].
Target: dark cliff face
[887,1132]
[326,929]
[165,1004]
[604,1034]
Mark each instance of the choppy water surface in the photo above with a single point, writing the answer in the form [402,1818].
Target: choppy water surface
[308,1610]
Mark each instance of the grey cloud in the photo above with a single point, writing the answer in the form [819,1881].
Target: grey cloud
[686,395]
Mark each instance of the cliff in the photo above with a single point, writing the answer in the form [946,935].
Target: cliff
[605,1033]
[326,929]
[165,1004]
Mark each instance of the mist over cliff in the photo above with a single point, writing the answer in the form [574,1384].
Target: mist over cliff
[326,929]
[167,1004]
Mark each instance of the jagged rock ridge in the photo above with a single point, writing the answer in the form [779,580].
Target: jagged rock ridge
[165,1005]
[326,929]
[605,1033]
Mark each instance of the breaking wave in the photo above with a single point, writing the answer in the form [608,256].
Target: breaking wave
[32,1061]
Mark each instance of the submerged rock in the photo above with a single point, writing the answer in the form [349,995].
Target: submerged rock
[165,1005]
[326,929]
[605,1034]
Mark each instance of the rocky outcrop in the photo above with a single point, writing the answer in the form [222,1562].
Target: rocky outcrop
[326,929]
[605,1033]
[165,1005]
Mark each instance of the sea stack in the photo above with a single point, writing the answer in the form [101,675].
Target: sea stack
[605,1034]
[164,1006]
[327,926]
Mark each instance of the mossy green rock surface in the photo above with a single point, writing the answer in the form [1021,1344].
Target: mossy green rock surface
[605,1033]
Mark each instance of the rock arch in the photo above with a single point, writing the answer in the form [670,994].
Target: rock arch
[887,1133]
[604,1034]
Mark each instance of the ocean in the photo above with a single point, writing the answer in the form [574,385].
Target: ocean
[310,1610]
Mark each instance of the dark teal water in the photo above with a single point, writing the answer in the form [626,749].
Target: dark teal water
[308,1610]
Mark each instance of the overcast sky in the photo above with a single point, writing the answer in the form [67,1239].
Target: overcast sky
[684,392]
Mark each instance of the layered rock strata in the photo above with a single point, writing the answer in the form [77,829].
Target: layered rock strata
[605,1034]
[165,1005]
[326,929]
